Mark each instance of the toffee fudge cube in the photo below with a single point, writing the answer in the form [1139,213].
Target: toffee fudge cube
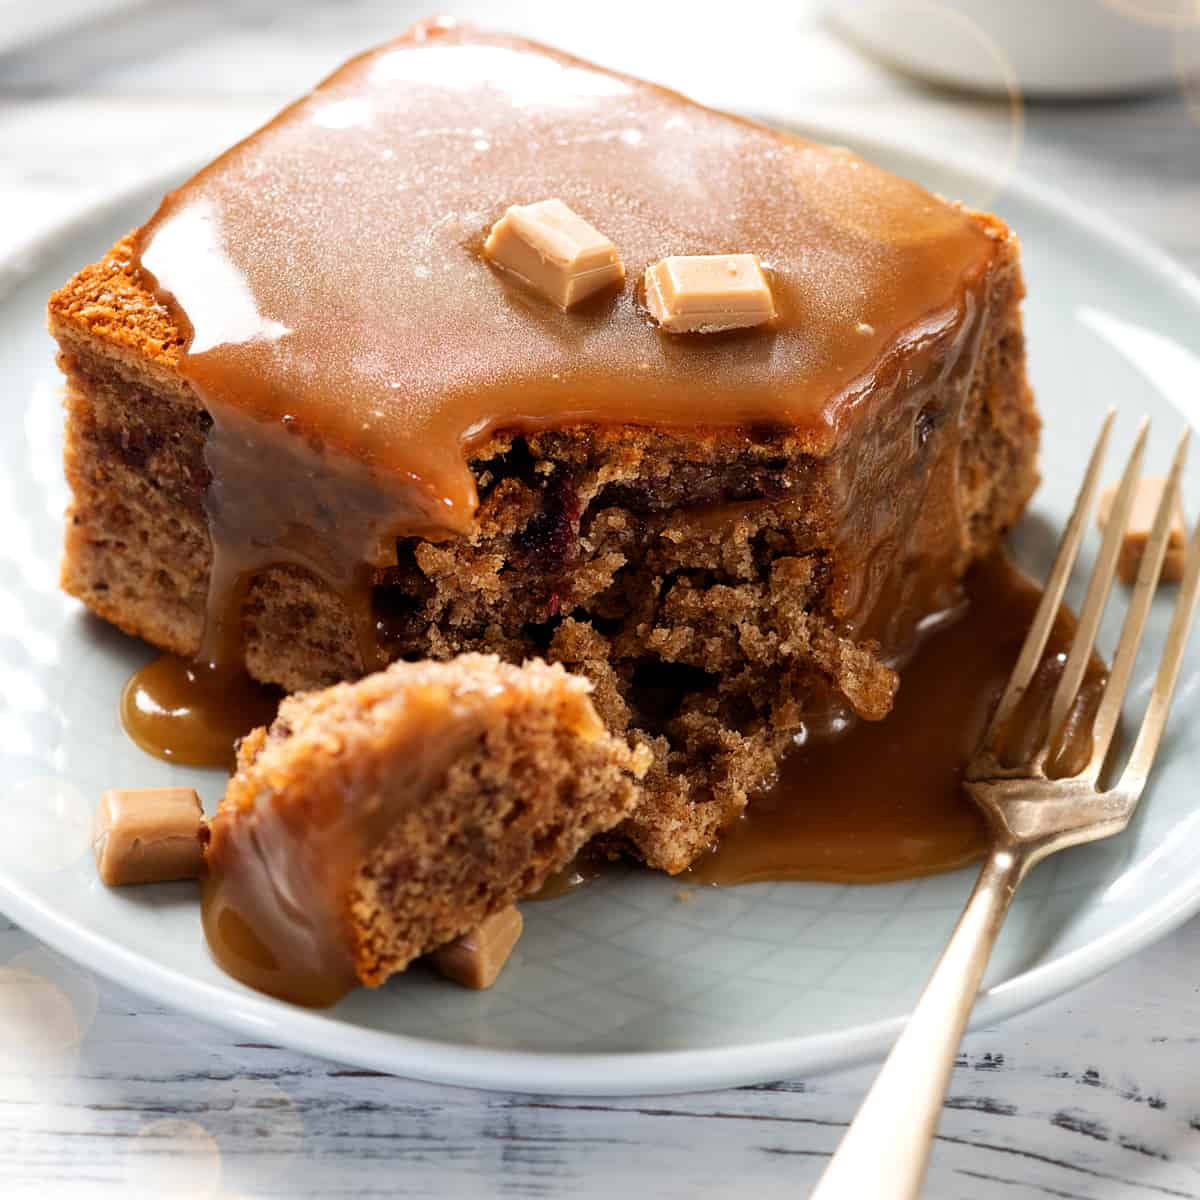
[149,835]
[476,959]
[1146,499]
[708,293]
[555,251]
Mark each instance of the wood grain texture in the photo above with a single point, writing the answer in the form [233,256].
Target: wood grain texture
[1093,1096]
[103,1094]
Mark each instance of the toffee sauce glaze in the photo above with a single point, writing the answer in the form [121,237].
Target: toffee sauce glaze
[354,349]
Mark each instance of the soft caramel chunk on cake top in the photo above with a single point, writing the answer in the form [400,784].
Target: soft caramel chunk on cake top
[312,427]
[708,293]
[555,251]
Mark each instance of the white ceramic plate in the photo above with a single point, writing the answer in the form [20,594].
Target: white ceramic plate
[619,988]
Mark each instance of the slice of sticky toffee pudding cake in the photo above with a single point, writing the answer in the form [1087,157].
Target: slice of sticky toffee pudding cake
[320,418]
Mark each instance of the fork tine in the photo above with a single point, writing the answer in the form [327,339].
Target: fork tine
[1056,584]
[1144,749]
[1099,587]
[1109,711]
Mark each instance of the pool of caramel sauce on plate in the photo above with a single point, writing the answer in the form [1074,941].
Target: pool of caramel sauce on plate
[884,800]
[192,712]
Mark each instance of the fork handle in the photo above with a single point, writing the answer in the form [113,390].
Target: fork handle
[884,1152]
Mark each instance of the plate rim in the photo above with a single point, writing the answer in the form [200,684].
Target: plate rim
[626,1073]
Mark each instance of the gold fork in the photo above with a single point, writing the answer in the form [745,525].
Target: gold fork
[885,1151]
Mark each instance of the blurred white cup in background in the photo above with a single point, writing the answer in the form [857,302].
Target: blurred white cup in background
[1051,48]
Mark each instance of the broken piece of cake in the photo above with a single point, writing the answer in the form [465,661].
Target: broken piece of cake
[312,428]
[374,822]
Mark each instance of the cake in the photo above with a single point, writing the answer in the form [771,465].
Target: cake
[311,430]
[376,821]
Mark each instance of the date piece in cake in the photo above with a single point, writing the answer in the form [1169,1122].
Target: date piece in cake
[304,409]
[376,821]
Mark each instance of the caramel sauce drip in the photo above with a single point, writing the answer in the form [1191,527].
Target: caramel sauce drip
[189,712]
[193,711]
[579,872]
[884,800]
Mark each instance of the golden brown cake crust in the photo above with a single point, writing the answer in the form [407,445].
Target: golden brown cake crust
[109,303]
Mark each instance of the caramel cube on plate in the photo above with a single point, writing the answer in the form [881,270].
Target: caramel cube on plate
[1141,522]
[555,251]
[708,293]
[476,959]
[150,835]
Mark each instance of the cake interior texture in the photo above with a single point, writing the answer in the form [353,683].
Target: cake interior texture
[726,584]
[400,811]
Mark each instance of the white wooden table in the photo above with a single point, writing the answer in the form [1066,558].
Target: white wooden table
[1096,1095]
